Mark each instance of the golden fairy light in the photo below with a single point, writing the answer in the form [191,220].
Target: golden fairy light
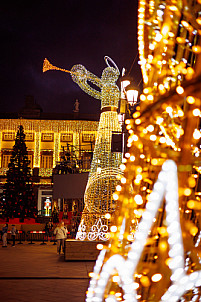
[157,237]
[102,180]
[99,198]
[36,128]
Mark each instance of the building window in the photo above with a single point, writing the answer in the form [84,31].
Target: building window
[29,137]
[47,137]
[46,161]
[7,156]
[88,137]
[8,136]
[66,137]
[5,160]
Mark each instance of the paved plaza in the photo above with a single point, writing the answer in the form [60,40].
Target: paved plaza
[35,273]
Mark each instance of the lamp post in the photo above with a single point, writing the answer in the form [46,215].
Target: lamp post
[132,97]
[131,94]
[118,138]
[125,81]
[129,97]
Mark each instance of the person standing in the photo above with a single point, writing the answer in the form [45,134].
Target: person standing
[73,232]
[61,234]
[55,215]
[4,234]
[13,233]
[50,227]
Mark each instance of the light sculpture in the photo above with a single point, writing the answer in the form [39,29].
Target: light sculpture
[154,249]
[105,164]
[166,185]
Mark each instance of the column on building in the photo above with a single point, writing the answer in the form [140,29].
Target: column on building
[76,143]
[0,146]
[37,150]
[56,148]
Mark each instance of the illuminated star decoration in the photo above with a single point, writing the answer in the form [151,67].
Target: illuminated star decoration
[166,186]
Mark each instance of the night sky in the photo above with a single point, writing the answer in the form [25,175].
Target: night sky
[67,33]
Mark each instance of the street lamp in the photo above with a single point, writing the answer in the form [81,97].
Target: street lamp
[131,94]
[125,81]
[118,144]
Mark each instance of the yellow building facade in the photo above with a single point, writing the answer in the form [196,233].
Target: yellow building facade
[45,140]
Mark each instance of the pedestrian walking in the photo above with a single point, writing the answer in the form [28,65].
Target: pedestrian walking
[13,233]
[61,234]
[4,234]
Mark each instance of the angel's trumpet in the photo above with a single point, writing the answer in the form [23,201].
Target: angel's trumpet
[48,66]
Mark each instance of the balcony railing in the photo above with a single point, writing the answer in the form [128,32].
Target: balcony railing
[84,166]
[43,172]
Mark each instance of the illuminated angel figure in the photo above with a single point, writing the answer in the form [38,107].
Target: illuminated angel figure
[102,179]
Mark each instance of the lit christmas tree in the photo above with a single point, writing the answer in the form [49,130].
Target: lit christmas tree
[18,199]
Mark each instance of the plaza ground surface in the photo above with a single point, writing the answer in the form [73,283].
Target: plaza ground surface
[35,273]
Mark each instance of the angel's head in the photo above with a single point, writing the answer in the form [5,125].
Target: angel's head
[110,74]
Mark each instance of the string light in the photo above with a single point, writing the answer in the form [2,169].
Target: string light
[105,164]
[167,183]
[99,197]
[36,128]
[153,226]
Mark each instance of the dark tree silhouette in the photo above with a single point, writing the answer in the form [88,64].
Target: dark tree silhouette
[18,198]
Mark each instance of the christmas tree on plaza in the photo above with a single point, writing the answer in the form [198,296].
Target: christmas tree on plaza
[18,198]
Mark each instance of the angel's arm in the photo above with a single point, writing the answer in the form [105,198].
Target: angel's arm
[81,75]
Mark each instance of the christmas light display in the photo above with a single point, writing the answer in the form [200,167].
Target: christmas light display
[167,184]
[154,249]
[102,179]
[38,128]
[19,200]
[37,149]
[47,206]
